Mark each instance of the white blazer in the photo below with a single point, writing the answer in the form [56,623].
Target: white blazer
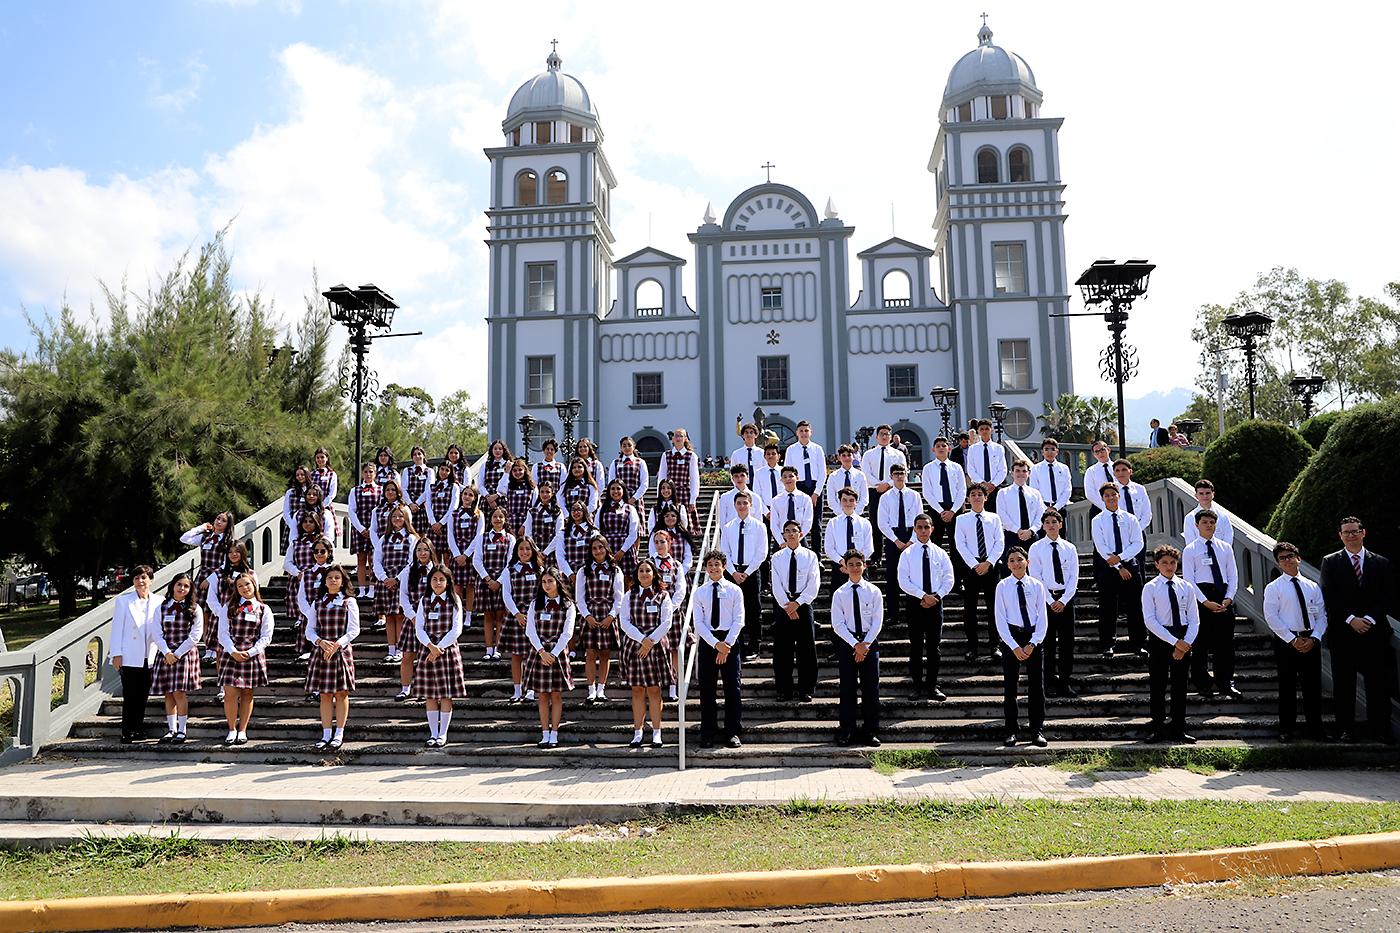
[133,632]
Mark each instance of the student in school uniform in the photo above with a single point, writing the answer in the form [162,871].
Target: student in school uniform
[245,631]
[586,450]
[393,551]
[744,543]
[598,592]
[750,454]
[574,541]
[579,486]
[797,577]
[1133,496]
[979,542]
[1118,545]
[293,501]
[412,584]
[646,613]
[1055,563]
[413,480]
[847,531]
[718,616]
[455,458]
[632,471]
[682,467]
[767,479]
[391,497]
[550,629]
[669,551]
[875,463]
[439,501]
[985,462]
[791,505]
[808,458]
[309,584]
[1297,614]
[1205,500]
[944,486]
[516,493]
[332,623]
[898,507]
[519,581]
[385,468]
[1210,567]
[1021,626]
[1022,508]
[619,524]
[1099,471]
[491,552]
[1359,593]
[1169,612]
[315,503]
[438,621]
[213,539]
[219,586]
[545,518]
[961,441]
[847,475]
[175,671]
[925,574]
[548,469]
[302,564]
[739,474]
[360,505]
[857,619]
[323,474]
[497,465]
[1051,478]
[462,530]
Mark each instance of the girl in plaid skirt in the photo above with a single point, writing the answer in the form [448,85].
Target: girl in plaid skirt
[176,670]
[461,473]
[550,628]
[682,548]
[293,501]
[633,472]
[245,631]
[544,520]
[587,451]
[392,552]
[598,592]
[412,585]
[437,677]
[298,562]
[385,468]
[573,542]
[646,662]
[578,486]
[391,496]
[438,501]
[332,622]
[213,540]
[491,552]
[618,522]
[308,588]
[219,586]
[666,499]
[548,470]
[673,577]
[519,581]
[317,504]
[516,492]
[323,475]
[462,529]
[416,477]
[361,503]
[497,465]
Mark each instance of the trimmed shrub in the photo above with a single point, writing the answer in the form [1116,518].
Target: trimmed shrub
[1252,465]
[1161,462]
[1315,429]
[1343,479]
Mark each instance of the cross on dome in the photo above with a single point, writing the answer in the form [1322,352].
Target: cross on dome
[554,62]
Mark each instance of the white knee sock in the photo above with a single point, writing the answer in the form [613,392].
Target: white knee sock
[181,722]
[340,732]
[325,734]
[518,690]
[444,720]
[170,722]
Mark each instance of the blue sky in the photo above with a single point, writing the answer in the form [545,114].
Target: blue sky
[1217,140]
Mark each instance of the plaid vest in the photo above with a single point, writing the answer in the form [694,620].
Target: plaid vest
[491,475]
[322,478]
[396,549]
[176,620]
[383,472]
[332,620]
[417,482]
[436,628]
[576,543]
[598,590]
[494,559]
[442,498]
[628,471]
[244,624]
[464,527]
[637,602]
[546,522]
[524,578]
[612,522]
[549,471]
[678,471]
[366,501]
[213,548]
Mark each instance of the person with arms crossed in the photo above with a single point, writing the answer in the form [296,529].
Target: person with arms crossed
[1296,612]
[1359,592]
[718,614]
[857,617]
[979,540]
[1118,545]
[797,576]
[1210,567]
[1021,626]
[1055,563]
[1172,621]
[926,578]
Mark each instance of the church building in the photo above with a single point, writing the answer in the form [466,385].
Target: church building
[776,321]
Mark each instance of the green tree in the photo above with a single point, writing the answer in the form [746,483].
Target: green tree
[1076,419]
[1252,465]
[1161,462]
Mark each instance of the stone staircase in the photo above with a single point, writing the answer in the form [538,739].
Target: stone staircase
[1111,711]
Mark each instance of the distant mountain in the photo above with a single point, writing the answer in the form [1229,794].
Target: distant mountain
[1161,405]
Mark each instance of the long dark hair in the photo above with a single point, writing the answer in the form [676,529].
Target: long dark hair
[417,570]
[561,589]
[535,560]
[326,572]
[450,592]
[292,482]
[525,482]
[188,601]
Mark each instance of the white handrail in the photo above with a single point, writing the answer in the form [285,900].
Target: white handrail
[685,664]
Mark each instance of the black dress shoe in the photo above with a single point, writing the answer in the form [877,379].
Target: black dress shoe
[635,743]
[1010,741]
[937,694]
[871,741]
[843,739]
[1233,693]
[1183,738]
[1040,741]
[707,742]
[783,697]
[734,742]
[1157,738]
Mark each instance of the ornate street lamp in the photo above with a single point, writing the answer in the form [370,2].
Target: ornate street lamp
[1190,427]
[527,424]
[1249,328]
[997,411]
[1305,389]
[568,411]
[863,435]
[944,400]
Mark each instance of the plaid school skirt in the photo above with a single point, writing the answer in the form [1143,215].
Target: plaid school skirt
[488,600]
[552,678]
[512,637]
[386,600]
[180,677]
[439,541]
[361,544]
[599,638]
[654,670]
[463,574]
[440,678]
[333,675]
[249,673]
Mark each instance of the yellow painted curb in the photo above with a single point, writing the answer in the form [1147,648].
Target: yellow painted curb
[859,885]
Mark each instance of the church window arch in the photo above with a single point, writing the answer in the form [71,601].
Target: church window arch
[556,186]
[1019,159]
[988,166]
[895,290]
[527,189]
[649,298]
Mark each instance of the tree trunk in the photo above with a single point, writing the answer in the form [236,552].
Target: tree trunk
[65,583]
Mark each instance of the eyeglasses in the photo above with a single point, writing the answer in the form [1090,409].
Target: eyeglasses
[320,550]
[1353,531]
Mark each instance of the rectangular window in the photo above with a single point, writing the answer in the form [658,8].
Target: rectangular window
[965,112]
[1015,365]
[575,133]
[771,298]
[539,286]
[1009,263]
[902,380]
[544,132]
[773,379]
[646,389]
[999,108]
[515,136]
[539,380]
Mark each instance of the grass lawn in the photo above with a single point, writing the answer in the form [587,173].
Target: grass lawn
[1200,759]
[738,839]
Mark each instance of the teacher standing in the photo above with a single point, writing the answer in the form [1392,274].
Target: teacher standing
[135,621]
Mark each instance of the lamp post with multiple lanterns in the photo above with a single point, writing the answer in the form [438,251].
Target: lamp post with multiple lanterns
[1305,389]
[1249,328]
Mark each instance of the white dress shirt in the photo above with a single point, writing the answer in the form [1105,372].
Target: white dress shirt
[731,612]
[727,513]
[485,541]
[654,624]
[1095,476]
[1224,531]
[433,517]
[932,485]
[1142,505]
[965,536]
[887,515]
[380,573]
[767,482]
[839,479]
[750,457]
[875,463]
[1285,616]
[405,607]
[643,476]
[1009,507]
[694,472]
[1128,529]
[755,544]
[264,613]
[973,461]
[516,606]
[1196,565]
[1007,609]
[422,614]
[192,639]
[872,612]
[1042,567]
[1064,483]
[809,575]
[579,532]
[911,570]
[778,512]
[532,631]
[834,536]
[352,622]
[581,588]
[134,624]
[1157,609]
[634,524]
[810,456]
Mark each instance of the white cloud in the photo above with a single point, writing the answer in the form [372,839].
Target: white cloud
[172,99]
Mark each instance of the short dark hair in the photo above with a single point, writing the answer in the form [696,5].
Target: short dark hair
[983,423]
[1049,442]
[804,423]
[940,439]
[788,469]
[1351,519]
[773,447]
[1122,461]
[716,554]
[1203,514]
[1052,512]
[1165,550]
[142,568]
[845,449]
[737,469]
[976,488]
[791,524]
[1014,551]
[898,468]
[923,517]
[882,427]
[846,492]
[1107,486]
[1286,547]
[851,555]
[1205,484]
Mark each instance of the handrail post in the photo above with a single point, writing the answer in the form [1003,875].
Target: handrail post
[682,662]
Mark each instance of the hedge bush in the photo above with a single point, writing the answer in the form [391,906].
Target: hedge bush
[1252,465]
[1315,429]
[1344,479]
[1161,462]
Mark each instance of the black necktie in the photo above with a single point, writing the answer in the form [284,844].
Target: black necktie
[1215,570]
[772,485]
[1128,499]
[986,463]
[900,523]
[850,532]
[1303,608]
[1176,606]
[1054,496]
[981,538]
[806,464]
[848,478]
[740,563]
[943,485]
[714,606]
[750,455]
[1021,598]
[1025,511]
[792,507]
[792,577]
[855,614]
[882,465]
[928,572]
[1117,535]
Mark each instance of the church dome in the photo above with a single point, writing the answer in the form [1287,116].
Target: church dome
[548,94]
[989,69]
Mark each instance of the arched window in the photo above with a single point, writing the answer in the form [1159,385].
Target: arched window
[988,171]
[894,289]
[527,189]
[1018,423]
[1020,161]
[912,438]
[784,429]
[556,187]
[649,299]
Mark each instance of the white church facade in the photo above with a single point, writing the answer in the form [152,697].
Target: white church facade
[777,321]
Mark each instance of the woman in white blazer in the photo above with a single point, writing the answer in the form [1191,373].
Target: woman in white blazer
[135,622]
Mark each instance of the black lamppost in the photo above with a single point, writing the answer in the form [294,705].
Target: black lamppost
[1190,427]
[1248,328]
[863,434]
[360,309]
[568,411]
[527,424]
[1119,284]
[945,400]
[997,412]
[1305,388]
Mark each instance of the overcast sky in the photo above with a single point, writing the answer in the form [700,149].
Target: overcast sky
[1216,140]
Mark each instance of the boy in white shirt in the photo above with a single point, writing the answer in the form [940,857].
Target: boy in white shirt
[750,454]
[1210,566]
[1051,478]
[985,462]
[1132,496]
[925,578]
[945,491]
[1021,626]
[1055,563]
[876,462]
[718,614]
[1205,499]
[739,475]
[857,615]
[1295,612]
[1021,508]
[847,475]
[791,505]
[808,458]
[847,531]
[1170,615]
[797,576]
[1118,546]
[980,554]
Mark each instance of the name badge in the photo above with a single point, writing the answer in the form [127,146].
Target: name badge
[666,578]
[546,616]
[723,595]
[653,608]
[435,615]
[490,547]
[529,578]
[250,617]
[210,545]
[338,601]
[1206,561]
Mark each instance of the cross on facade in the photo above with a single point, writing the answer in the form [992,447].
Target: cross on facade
[768,167]
[554,43]
[984,19]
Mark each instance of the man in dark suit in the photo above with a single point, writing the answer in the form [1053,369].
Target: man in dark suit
[1158,436]
[1357,590]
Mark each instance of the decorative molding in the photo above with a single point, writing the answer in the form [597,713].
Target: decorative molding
[743,301]
[636,348]
[867,339]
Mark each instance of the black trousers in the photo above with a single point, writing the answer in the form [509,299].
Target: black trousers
[864,678]
[1163,670]
[1118,595]
[872,512]
[1215,644]
[729,673]
[814,537]
[943,537]
[1035,689]
[752,591]
[1296,671]
[974,588]
[925,636]
[136,691]
[893,594]
[1368,655]
[794,637]
[1058,646]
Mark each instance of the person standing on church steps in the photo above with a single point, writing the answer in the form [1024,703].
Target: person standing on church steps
[1051,478]
[750,454]
[846,532]
[945,490]
[744,543]
[797,576]
[875,463]
[1022,508]
[986,463]
[1097,473]
[979,541]
[898,508]
[1358,590]
[1296,612]
[1210,566]
[1169,613]
[1133,496]
[808,458]
[682,467]
[791,505]
[1205,497]
[926,579]
[857,619]
[1055,563]
[1021,625]
[1118,546]
[718,614]
[846,475]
